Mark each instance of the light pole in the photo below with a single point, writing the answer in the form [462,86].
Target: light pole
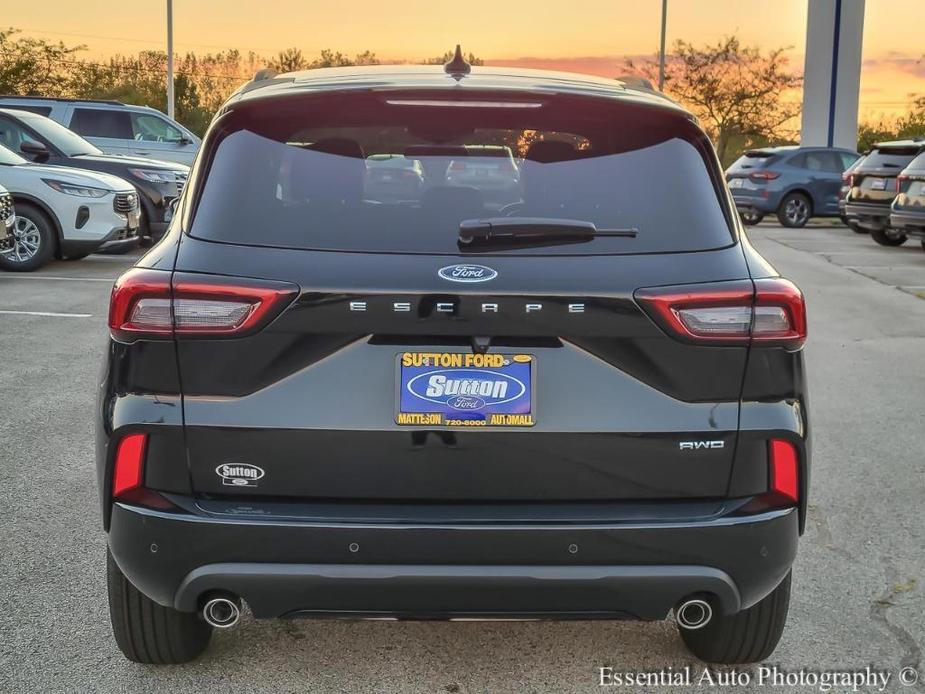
[661,51]
[170,59]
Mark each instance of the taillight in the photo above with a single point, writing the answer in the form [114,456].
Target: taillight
[899,183]
[144,304]
[764,175]
[128,468]
[769,312]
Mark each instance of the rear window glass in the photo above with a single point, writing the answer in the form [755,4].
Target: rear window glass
[753,160]
[897,159]
[399,173]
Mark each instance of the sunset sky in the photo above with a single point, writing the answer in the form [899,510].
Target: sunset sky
[590,36]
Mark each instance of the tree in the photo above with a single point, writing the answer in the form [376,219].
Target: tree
[735,91]
[32,66]
[910,124]
[472,59]
[289,60]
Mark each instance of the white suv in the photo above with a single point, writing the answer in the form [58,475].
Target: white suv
[116,128]
[64,212]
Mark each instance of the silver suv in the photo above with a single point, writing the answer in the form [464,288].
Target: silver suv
[116,128]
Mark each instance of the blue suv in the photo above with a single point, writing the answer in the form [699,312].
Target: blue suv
[795,183]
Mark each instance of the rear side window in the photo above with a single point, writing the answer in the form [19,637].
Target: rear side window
[897,159]
[848,160]
[829,162]
[99,122]
[311,172]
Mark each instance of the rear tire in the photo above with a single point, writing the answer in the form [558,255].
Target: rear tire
[748,636]
[794,211]
[150,633]
[888,237]
[34,240]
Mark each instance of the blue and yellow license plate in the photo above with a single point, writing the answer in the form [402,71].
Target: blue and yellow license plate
[465,390]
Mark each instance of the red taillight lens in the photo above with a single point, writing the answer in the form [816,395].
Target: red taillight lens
[764,175]
[128,469]
[769,312]
[780,313]
[140,303]
[143,304]
[784,470]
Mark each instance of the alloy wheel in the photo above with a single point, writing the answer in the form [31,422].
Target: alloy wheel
[26,240]
[796,211]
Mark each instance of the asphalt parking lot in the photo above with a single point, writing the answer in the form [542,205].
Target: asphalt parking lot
[859,580]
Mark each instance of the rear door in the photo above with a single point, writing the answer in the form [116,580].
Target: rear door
[365,385]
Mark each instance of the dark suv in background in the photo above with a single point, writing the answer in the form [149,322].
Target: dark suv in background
[326,402]
[41,140]
[795,183]
[872,186]
[907,212]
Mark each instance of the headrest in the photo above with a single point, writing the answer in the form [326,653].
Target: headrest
[547,151]
[340,146]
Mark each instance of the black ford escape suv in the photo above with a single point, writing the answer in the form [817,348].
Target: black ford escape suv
[587,401]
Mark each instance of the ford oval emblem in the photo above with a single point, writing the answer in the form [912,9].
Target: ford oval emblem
[464,389]
[467,273]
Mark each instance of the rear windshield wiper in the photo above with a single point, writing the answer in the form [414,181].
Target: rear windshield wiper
[522,230]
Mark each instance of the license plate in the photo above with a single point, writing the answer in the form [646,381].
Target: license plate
[465,390]
[878,184]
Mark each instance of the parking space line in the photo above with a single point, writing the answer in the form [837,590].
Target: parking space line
[45,314]
[57,278]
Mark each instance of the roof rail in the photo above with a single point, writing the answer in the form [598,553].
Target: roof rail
[60,98]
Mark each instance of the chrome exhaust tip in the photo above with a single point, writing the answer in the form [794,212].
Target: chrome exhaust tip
[693,614]
[221,612]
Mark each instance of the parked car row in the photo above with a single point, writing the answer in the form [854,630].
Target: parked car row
[114,127]
[795,183]
[881,193]
[886,192]
[71,198]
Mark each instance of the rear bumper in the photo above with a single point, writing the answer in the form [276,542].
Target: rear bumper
[122,236]
[868,215]
[637,570]
[765,202]
[913,224]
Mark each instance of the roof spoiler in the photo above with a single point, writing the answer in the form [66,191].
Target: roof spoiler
[267,73]
[637,82]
